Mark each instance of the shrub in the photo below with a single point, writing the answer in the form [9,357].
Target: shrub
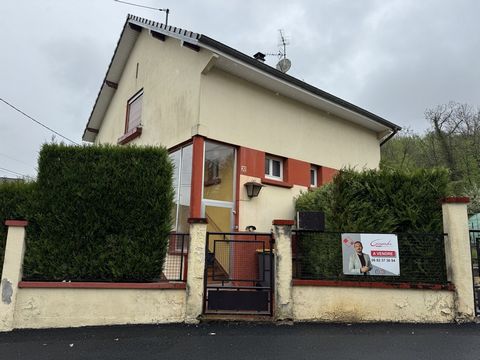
[103,213]
[15,199]
[379,201]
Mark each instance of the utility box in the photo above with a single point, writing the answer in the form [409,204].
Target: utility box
[311,220]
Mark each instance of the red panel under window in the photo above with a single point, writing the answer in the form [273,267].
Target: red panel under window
[296,172]
[326,175]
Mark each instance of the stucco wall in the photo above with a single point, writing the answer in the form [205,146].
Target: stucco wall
[238,112]
[273,202]
[43,308]
[170,77]
[345,304]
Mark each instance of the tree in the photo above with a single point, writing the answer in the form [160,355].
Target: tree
[452,141]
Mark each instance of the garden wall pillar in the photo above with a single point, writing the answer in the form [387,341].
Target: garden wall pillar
[12,271]
[458,255]
[282,231]
[196,269]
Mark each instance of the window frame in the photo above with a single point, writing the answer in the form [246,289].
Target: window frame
[314,169]
[270,159]
[130,101]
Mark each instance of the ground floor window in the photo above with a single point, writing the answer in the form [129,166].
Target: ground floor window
[273,167]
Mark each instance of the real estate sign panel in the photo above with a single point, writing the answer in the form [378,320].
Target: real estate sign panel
[381,250]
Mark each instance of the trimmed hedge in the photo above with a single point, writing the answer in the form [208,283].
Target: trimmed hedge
[103,213]
[15,200]
[379,201]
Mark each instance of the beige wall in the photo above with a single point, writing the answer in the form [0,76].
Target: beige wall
[44,308]
[238,112]
[273,202]
[170,77]
[343,304]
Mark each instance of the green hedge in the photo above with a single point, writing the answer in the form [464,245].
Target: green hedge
[379,201]
[15,198]
[101,214]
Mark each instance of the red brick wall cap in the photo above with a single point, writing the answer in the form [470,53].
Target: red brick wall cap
[456,200]
[283,222]
[18,223]
[98,285]
[369,284]
[197,221]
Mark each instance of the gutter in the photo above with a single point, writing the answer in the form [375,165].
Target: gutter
[395,131]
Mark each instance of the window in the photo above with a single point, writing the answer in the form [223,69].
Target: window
[134,112]
[314,176]
[219,173]
[182,184]
[273,168]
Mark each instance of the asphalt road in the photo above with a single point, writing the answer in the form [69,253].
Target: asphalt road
[229,341]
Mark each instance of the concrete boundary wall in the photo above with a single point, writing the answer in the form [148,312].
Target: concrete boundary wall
[345,303]
[44,305]
[64,307]
[73,304]
[349,304]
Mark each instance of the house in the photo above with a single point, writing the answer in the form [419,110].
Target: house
[228,119]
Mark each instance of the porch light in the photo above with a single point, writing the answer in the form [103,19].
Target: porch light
[253,188]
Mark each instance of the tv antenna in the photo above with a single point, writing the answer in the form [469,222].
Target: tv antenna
[284,64]
[167,11]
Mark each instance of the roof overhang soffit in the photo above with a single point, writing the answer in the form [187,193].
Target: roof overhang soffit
[280,87]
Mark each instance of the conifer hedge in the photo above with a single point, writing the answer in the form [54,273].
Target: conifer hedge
[102,213]
[15,199]
[380,201]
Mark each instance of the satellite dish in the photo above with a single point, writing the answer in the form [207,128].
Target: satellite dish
[284,65]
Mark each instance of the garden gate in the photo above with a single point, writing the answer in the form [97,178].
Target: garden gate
[239,273]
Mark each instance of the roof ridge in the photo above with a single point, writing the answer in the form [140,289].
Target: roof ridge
[167,28]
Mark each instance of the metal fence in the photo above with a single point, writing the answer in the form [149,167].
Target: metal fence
[318,256]
[175,265]
[475,251]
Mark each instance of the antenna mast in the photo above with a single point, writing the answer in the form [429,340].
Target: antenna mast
[283,64]
[283,42]
[167,11]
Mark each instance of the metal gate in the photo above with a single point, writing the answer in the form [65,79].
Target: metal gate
[475,251]
[239,273]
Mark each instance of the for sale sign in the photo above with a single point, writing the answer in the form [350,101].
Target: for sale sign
[370,254]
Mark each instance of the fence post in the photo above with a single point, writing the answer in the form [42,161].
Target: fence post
[458,256]
[282,231]
[11,271]
[196,269]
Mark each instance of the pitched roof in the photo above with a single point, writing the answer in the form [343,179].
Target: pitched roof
[270,77]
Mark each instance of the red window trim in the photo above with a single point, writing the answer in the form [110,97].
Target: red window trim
[129,136]
[276,183]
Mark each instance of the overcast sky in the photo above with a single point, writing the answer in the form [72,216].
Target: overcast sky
[392,57]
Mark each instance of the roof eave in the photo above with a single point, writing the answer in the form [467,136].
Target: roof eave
[214,44]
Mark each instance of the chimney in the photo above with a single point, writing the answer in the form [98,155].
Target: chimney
[259,56]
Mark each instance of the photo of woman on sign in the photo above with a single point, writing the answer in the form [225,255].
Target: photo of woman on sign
[359,263]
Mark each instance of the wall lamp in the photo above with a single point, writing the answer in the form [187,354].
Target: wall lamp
[253,188]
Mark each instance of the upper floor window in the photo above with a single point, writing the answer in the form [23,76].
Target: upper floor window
[134,112]
[273,168]
[314,176]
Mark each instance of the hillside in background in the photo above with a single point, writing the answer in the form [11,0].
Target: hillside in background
[452,141]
